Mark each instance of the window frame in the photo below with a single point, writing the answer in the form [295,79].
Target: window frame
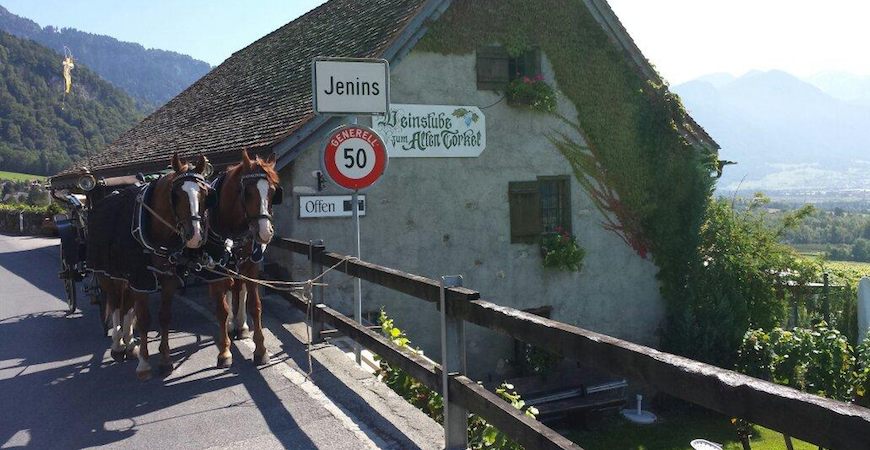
[495,68]
[531,64]
[563,188]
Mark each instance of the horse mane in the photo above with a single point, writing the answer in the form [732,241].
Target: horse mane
[269,170]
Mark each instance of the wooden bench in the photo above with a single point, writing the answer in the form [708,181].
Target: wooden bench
[571,391]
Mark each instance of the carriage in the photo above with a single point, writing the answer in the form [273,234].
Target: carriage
[77,199]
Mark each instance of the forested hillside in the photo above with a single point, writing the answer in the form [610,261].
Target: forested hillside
[150,76]
[40,131]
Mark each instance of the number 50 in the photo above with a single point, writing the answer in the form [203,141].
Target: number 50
[360,160]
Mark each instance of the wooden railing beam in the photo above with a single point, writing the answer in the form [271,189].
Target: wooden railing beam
[825,422]
[821,421]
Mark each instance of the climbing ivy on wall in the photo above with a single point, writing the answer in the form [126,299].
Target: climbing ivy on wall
[659,181]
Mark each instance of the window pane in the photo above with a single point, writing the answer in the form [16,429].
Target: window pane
[554,205]
[525,65]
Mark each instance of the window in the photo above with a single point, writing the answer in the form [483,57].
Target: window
[526,65]
[495,68]
[538,207]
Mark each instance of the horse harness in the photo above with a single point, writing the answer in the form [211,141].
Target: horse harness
[234,249]
[173,255]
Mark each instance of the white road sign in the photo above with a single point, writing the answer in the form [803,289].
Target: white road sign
[320,206]
[346,86]
[432,131]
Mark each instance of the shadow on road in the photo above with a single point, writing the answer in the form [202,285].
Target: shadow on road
[59,387]
[58,384]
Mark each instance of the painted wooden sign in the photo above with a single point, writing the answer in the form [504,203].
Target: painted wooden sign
[433,131]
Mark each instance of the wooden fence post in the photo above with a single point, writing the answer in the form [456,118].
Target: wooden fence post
[316,247]
[452,363]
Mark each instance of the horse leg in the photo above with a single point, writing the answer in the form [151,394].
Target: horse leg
[143,316]
[219,290]
[240,319]
[169,286]
[255,309]
[113,301]
[232,300]
[132,351]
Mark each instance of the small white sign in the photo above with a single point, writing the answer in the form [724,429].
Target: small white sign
[433,131]
[312,207]
[345,86]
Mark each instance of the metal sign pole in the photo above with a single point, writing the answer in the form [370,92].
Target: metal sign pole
[357,287]
[357,301]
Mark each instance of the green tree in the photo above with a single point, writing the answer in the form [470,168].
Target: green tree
[733,284]
[861,250]
[43,131]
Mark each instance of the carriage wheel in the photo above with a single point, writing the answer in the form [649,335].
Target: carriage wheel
[69,284]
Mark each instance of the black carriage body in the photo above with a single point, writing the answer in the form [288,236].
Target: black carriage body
[73,249]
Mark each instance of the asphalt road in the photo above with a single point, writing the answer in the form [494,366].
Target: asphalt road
[59,388]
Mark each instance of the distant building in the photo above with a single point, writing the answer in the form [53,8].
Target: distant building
[481,216]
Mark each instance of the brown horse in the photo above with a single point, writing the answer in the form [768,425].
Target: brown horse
[177,202]
[247,192]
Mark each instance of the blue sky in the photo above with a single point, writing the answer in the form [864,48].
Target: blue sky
[683,38]
[210,30]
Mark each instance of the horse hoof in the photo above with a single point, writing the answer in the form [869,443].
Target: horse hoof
[118,356]
[166,369]
[144,375]
[238,335]
[261,360]
[132,353]
[224,363]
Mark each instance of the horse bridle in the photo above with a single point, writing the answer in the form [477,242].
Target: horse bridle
[277,197]
[209,199]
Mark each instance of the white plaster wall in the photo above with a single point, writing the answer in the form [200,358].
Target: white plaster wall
[440,216]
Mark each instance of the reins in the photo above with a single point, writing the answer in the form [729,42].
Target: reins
[307,293]
[175,229]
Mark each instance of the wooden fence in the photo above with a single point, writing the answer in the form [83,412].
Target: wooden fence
[824,422]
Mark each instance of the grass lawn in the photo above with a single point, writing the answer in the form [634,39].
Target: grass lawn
[14,176]
[674,431]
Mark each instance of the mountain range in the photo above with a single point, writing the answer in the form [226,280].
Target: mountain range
[150,76]
[786,133]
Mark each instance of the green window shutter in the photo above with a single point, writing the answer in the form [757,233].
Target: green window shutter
[492,68]
[525,211]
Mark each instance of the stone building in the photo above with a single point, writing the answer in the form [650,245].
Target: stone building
[479,216]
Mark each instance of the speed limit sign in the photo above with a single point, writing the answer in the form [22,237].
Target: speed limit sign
[354,157]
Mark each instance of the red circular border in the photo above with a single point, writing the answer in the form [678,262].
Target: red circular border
[355,183]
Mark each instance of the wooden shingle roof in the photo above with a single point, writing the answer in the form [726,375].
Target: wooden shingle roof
[262,93]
